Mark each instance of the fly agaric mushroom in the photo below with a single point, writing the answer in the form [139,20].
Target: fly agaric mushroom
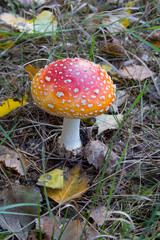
[73,88]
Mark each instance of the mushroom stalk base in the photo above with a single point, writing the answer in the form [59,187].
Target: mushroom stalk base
[70,138]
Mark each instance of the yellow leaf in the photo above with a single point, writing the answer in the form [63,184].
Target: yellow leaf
[53,179]
[10,104]
[31,71]
[125,22]
[75,184]
[44,23]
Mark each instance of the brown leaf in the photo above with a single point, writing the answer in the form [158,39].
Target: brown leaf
[136,72]
[95,152]
[14,222]
[99,215]
[75,184]
[13,160]
[31,71]
[114,47]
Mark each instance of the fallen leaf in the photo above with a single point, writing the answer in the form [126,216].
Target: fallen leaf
[112,23]
[125,21]
[31,71]
[96,154]
[75,184]
[22,215]
[27,3]
[44,23]
[154,38]
[106,121]
[12,103]
[114,47]
[47,228]
[71,229]
[136,72]
[99,215]
[5,41]
[53,179]
[92,23]
[13,160]
[121,97]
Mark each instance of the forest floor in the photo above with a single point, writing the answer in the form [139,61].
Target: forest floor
[121,194]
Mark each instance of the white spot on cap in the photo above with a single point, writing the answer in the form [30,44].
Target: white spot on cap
[83,96]
[109,95]
[76,90]
[75,96]
[102,97]
[71,63]
[70,70]
[55,64]
[101,74]
[59,94]
[69,101]
[90,105]
[49,71]
[99,105]
[45,94]
[85,69]
[92,96]
[101,110]
[63,101]
[77,105]
[77,73]
[107,108]
[86,89]
[64,67]
[50,105]
[98,78]
[76,65]
[93,77]
[85,76]
[82,109]
[107,88]
[48,79]
[91,82]
[63,60]
[96,91]
[39,74]
[82,80]
[60,72]
[61,64]
[41,81]
[72,110]
[83,102]
[68,80]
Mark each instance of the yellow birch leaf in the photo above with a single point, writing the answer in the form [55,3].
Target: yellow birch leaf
[44,23]
[53,179]
[75,184]
[125,22]
[12,103]
[31,71]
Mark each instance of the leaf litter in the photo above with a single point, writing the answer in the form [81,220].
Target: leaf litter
[15,218]
[75,184]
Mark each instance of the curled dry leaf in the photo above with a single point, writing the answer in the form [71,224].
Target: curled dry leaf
[13,160]
[96,154]
[136,72]
[22,215]
[74,185]
[121,96]
[114,47]
[99,215]
[31,71]
[71,229]
[106,121]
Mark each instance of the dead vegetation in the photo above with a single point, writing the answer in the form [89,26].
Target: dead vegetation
[121,202]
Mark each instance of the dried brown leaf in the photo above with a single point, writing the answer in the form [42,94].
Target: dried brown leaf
[96,154]
[136,72]
[13,160]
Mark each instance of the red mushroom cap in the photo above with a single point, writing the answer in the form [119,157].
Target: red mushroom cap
[73,88]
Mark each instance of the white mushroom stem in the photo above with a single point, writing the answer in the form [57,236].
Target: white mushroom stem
[70,137]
